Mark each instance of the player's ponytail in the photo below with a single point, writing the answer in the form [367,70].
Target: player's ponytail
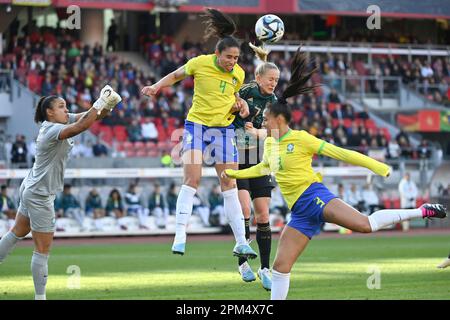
[301,73]
[44,103]
[221,26]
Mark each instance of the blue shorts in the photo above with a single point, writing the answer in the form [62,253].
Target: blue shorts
[307,212]
[218,144]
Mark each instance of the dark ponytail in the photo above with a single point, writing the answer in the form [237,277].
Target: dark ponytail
[221,26]
[301,73]
[42,106]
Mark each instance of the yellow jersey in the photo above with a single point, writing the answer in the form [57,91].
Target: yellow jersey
[214,91]
[290,159]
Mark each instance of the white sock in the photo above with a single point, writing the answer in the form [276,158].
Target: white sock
[142,216]
[40,297]
[7,244]
[383,218]
[280,285]
[183,212]
[233,212]
[39,270]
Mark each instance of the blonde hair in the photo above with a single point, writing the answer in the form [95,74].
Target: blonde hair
[262,55]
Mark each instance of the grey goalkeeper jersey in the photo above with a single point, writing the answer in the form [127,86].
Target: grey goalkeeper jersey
[47,175]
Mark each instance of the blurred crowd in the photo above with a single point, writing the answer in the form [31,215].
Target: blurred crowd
[54,61]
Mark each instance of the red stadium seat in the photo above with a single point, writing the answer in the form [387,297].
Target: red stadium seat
[386,133]
[141,153]
[369,123]
[297,116]
[387,203]
[347,123]
[332,106]
[173,122]
[139,145]
[130,153]
[128,146]
[395,203]
[334,122]
[120,133]
[149,145]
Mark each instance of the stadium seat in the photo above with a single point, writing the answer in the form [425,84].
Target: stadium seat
[130,153]
[387,203]
[396,203]
[149,145]
[332,107]
[141,153]
[139,145]
[369,123]
[347,123]
[120,133]
[173,122]
[297,116]
[128,146]
[386,133]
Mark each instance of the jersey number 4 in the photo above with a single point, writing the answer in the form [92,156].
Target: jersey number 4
[223,85]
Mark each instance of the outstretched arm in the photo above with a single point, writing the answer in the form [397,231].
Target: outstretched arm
[353,157]
[167,81]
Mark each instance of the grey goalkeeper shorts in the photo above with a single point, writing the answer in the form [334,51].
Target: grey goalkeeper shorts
[39,209]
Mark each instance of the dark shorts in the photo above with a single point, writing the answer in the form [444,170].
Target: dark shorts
[257,187]
[307,212]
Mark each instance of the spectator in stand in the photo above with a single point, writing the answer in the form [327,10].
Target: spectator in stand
[99,149]
[354,198]
[134,207]
[149,131]
[278,204]
[114,205]
[200,208]
[408,195]
[19,152]
[112,36]
[215,199]
[157,206]
[80,150]
[424,150]
[171,197]
[7,207]
[371,199]
[66,205]
[333,96]
[94,208]
[338,113]
[341,191]
[134,131]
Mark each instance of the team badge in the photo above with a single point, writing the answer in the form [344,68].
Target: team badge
[290,148]
[234,81]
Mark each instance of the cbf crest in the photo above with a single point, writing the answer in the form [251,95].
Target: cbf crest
[234,81]
[290,148]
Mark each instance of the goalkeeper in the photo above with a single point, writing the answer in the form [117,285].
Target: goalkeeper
[37,191]
[288,153]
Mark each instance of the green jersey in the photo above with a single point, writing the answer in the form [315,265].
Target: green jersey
[257,102]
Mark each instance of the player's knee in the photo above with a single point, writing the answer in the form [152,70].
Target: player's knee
[364,227]
[262,217]
[192,182]
[227,184]
[281,266]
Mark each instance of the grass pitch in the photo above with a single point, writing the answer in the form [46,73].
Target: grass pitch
[336,268]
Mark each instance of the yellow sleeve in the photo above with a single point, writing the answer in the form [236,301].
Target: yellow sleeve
[259,170]
[192,65]
[322,147]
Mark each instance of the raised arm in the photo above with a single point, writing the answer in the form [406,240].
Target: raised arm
[106,102]
[167,81]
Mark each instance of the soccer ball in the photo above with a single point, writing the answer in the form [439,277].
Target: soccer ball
[269,28]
